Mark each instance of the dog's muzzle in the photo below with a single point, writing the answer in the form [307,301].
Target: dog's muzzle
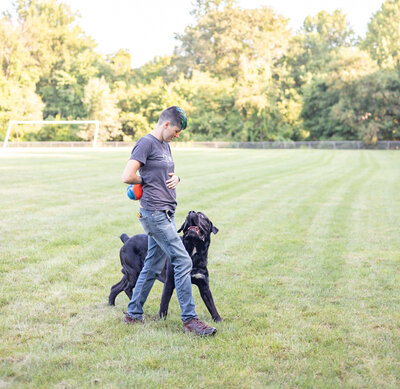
[195,231]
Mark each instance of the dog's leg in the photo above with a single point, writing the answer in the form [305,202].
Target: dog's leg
[116,290]
[165,299]
[207,297]
[128,289]
[169,287]
[130,284]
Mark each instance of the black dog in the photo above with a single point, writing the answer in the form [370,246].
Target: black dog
[197,229]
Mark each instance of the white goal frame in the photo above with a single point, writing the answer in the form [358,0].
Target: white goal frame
[12,122]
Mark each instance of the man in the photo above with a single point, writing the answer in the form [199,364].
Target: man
[152,157]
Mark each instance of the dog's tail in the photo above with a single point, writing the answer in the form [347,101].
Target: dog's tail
[124,238]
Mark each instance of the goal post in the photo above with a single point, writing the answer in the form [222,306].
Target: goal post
[12,122]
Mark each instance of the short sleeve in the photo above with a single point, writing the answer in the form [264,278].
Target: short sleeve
[141,150]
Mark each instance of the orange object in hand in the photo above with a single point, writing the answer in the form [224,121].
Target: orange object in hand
[135,191]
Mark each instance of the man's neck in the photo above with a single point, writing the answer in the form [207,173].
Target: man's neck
[157,133]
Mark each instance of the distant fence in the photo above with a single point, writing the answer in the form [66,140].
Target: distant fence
[339,145]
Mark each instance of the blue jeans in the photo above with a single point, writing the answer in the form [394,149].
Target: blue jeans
[163,242]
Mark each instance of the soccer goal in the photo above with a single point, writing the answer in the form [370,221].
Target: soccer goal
[12,122]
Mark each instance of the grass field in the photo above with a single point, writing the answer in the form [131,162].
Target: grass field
[305,271]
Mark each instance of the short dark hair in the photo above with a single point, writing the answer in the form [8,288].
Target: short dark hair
[175,115]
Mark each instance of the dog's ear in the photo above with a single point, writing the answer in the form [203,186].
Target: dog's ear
[185,223]
[124,238]
[183,226]
[214,229]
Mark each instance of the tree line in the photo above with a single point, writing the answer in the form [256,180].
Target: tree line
[240,74]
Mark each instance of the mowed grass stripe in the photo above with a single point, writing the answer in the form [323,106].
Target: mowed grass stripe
[238,215]
[238,183]
[74,184]
[270,203]
[329,230]
[270,244]
[239,204]
[346,190]
[369,294]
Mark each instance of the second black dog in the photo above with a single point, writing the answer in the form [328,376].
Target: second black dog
[197,230]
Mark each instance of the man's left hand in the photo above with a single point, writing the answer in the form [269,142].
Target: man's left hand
[173,181]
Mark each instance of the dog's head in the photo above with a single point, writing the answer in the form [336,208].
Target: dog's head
[197,226]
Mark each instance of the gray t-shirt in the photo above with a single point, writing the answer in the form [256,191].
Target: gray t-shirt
[156,162]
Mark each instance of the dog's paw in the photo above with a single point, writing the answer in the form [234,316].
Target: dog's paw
[218,319]
[162,315]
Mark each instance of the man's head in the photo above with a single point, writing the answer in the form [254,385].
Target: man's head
[172,121]
[175,115]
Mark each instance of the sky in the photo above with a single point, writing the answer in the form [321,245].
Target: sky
[147,28]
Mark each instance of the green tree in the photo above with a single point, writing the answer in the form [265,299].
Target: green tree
[141,105]
[373,109]
[337,100]
[101,105]
[203,7]
[311,50]
[18,77]
[209,103]
[223,41]
[382,40]
[257,103]
[163,67]
[61,52]
[18,102]
[117,67]
[16,61]
[244,46]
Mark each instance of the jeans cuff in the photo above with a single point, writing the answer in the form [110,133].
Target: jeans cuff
[135,317]
[190,318]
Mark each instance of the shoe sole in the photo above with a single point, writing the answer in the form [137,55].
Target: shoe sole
[201,334]
[133,321]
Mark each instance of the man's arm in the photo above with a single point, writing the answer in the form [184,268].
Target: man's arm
[129,176]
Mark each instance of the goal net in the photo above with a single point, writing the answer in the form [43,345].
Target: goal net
[16,122]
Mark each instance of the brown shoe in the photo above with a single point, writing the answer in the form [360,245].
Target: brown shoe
[131,320]
[196,326]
